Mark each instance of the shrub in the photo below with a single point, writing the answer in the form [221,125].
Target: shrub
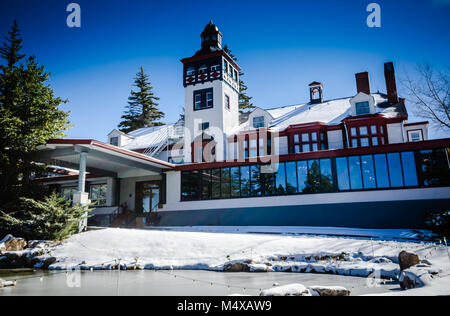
[439,223]
[54,218]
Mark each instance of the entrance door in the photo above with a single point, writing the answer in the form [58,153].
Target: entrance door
[148,197]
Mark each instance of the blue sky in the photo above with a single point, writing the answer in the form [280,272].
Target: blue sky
[281,45]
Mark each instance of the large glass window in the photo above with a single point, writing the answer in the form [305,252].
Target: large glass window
[368,172]
[326,176]
[216,183]
[226,183]
[206,184]
[302,169]
[269,183]
[381,170]
[291,177]
[235,182]
[409,169]
[312,183]
[355,173]
[281,179]
[342,174]
[256,180]
[395,170]
[245,181]
[434,165]
[190,185]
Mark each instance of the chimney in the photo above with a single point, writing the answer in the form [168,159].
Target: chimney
[362,82]
[391,86]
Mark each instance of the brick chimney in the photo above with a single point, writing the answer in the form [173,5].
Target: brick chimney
[362,83]
[391,86]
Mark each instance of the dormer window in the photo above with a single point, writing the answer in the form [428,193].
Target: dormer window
[114,141]
[259,122]
[362,108]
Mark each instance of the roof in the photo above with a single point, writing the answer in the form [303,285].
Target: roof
[148,137]
[330,112]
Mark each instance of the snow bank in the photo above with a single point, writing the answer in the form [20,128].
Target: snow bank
[287,290]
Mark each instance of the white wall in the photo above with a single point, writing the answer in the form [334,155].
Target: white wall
[173,191]
[395,133]
[283,146]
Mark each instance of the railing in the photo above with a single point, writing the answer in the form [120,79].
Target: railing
[165,136]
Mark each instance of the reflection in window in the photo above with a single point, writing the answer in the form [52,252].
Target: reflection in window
[409,169]
[302,169]
[381,170]
[395,170]
[190,181]
[435,167]
[206,184]
[235,182]
[326,176]
[245,181]
[342,174]
[256,180]
[368,172]
[281,179]
[216,183]
[226,183]
[291,177]
[355,173]
[313,183]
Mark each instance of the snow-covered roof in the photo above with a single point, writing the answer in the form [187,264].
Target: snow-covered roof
[149,137]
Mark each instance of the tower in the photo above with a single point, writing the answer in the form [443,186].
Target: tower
[211,84]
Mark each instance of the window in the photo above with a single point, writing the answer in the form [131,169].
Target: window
[203,99]
[280,185]
[225,66]
[415,136]
[368,172]
[381,170]
[227,102]
[203,69]
[395,170]
[235,182]
[98,194]
[206,184]
[190,72]
[342,174]
[226,183]
[203,126]
[245,182]
[434,166]
[302,174]
[68,192]
[114,141]
[355,173]
[409,169]
[307,142]
[253,148]
[365,136]
[190,184]
[216,183]
[256,180]
[362,108]
[215,67]
[291,177]
[259,122]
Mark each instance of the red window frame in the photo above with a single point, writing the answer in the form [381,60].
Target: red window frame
[381,134]
[322,142]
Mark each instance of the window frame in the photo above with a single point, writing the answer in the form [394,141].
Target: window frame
[204,102]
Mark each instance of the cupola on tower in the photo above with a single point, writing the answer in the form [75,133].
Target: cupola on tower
[211,82]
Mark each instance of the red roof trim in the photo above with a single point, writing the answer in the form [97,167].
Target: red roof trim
[95,143]
[416,123]
[439,143]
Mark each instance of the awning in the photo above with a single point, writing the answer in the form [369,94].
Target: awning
[101,159]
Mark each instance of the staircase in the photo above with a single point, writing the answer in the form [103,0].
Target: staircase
[166,135]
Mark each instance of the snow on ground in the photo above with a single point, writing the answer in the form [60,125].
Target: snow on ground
[163,249]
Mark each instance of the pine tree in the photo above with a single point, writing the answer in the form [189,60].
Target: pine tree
[29,117]
[142,110]
[245,104]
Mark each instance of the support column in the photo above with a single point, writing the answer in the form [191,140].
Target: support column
[81,197]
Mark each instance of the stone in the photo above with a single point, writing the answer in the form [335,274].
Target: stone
[407,260]
[408,281]
[48,262]
[10,243]
[330,291]
[236,267]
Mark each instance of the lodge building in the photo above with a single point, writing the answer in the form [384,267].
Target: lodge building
[349,162]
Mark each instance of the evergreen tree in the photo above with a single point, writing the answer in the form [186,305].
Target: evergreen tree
[142,110]
[245,104]
[29,117]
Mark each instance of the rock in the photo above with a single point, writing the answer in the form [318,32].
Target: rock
[236,267]
[10,243]
[330,291]
[408,281]
[287,290]
[48,262]
[37,244]
[407,260]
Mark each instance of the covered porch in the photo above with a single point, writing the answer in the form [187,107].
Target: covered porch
[123,185]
